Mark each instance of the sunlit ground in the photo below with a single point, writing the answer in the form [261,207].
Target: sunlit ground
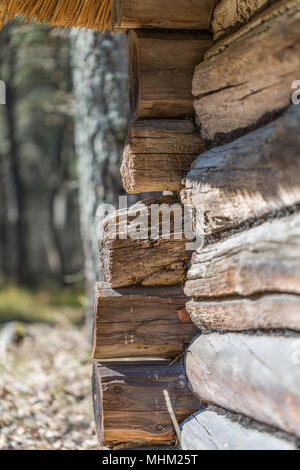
[45,383]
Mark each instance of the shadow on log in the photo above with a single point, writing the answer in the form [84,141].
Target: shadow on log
[130,406]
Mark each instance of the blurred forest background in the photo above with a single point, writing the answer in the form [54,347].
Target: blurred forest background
[62,133]
[56,169]
[40,245]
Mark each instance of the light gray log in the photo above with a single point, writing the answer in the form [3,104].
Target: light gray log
[244,85]
[248,178]
[208,430]
[268,312]
[268,10]
[229,15]
[258,376]
[263,259]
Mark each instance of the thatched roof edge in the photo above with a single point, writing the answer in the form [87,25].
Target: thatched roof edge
[91,14]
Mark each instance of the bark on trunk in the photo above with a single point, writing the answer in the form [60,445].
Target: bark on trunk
[100,88]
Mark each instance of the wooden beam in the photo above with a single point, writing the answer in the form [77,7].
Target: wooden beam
[217,430]
[131,409]
[140,322]
[257,376]
[251,177]
[264,259]
[229,15]
[168,14]
[158,154]
[134,257]
[267,312]
[162,136]
[241,88]
[160,81]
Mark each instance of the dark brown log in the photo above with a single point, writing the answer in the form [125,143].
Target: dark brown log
[258,376]
[140,322]
[140,258]
[229,15]
[262,259]
[243,86]
[160,79]
[248,178]
[268,312]
[158,155]
[165,136]
[168,14]
[133,402]
[209,430]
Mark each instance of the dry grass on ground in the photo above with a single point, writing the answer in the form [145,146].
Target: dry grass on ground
[45,390]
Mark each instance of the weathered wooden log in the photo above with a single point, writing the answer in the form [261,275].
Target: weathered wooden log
[253,176]
[140,322]
[165,136]
[159,79]
[243,86]
[138,248]
[268,312]
[158,154]
[211,430]
[258,376]
[130,405]
[264,259]
[164,14]
[229,15]
[274,9]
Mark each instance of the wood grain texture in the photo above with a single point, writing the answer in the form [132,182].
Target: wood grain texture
[134,257]
[158,154]
[140,322]
[258,376]
[243,86]
[208,430]
[232,14]
[268,312]
[264,259]
[154,172]
[160,80]
[255,175]
[162,136]
[134,407]
[276,8]
[165,14]
[98,406]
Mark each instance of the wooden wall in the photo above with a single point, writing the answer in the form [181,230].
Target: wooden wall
[212,121]
[243,285]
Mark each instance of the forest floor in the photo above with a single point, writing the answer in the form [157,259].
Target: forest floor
[45,388]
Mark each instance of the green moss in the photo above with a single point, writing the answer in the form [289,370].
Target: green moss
[48,304]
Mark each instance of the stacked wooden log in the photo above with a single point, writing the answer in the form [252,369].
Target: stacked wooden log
[139,330]
[141,325]
[243,285]
[213,120]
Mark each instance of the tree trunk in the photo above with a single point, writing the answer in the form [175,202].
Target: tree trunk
[12,175]
[102,109]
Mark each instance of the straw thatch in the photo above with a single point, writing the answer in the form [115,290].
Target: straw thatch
[92,14]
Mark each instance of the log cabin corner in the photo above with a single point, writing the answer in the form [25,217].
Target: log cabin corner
[217,327]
